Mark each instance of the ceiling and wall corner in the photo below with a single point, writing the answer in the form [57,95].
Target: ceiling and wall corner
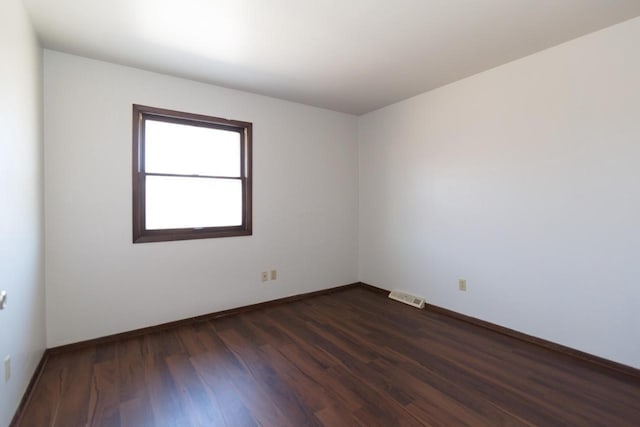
[351,56]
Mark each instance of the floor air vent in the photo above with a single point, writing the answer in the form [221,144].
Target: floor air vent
[407,299]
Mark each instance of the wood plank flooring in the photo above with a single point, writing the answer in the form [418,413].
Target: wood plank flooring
[352,358]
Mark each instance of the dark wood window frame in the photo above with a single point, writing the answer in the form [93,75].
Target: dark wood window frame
[140,233]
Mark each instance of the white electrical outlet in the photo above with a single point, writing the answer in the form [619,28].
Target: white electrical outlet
[462,285]
[274,274]
[265,276]
[7,368]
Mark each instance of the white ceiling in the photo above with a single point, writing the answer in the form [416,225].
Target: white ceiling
[351,55]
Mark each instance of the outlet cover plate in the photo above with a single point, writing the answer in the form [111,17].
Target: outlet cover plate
[7,368]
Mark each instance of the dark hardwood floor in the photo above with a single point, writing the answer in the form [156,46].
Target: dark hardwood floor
[345,359]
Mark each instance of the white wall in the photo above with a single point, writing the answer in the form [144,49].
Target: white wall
[22,328]
[99,283]
[525,180]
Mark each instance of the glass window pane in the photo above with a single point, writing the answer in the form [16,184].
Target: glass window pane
[177,202]
[191,150]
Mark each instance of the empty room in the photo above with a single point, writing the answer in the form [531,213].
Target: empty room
[323,213]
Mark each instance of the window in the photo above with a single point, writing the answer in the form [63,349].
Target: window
[191,176]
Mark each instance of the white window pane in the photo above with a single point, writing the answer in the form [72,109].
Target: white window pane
[191,150]
[176,202]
